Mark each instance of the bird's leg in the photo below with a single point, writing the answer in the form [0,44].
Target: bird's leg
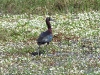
[46,48]
[60,59]
[39,50]
[59,44]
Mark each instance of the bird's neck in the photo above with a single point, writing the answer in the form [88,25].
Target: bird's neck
[48,24]
[50,30]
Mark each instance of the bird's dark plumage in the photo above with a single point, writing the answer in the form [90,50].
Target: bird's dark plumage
[46,37]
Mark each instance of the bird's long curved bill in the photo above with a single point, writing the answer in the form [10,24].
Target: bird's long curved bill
[52,20]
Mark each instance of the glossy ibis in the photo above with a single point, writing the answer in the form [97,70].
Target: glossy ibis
[45,37]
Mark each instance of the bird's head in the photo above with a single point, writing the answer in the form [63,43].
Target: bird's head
[49,19]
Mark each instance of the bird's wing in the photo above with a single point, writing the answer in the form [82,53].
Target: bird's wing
[45,37]
[48,38]
[42,35]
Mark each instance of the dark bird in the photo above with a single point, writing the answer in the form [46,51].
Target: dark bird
[45,37]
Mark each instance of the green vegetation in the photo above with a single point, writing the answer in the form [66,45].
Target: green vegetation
[48,6]
[74,50]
